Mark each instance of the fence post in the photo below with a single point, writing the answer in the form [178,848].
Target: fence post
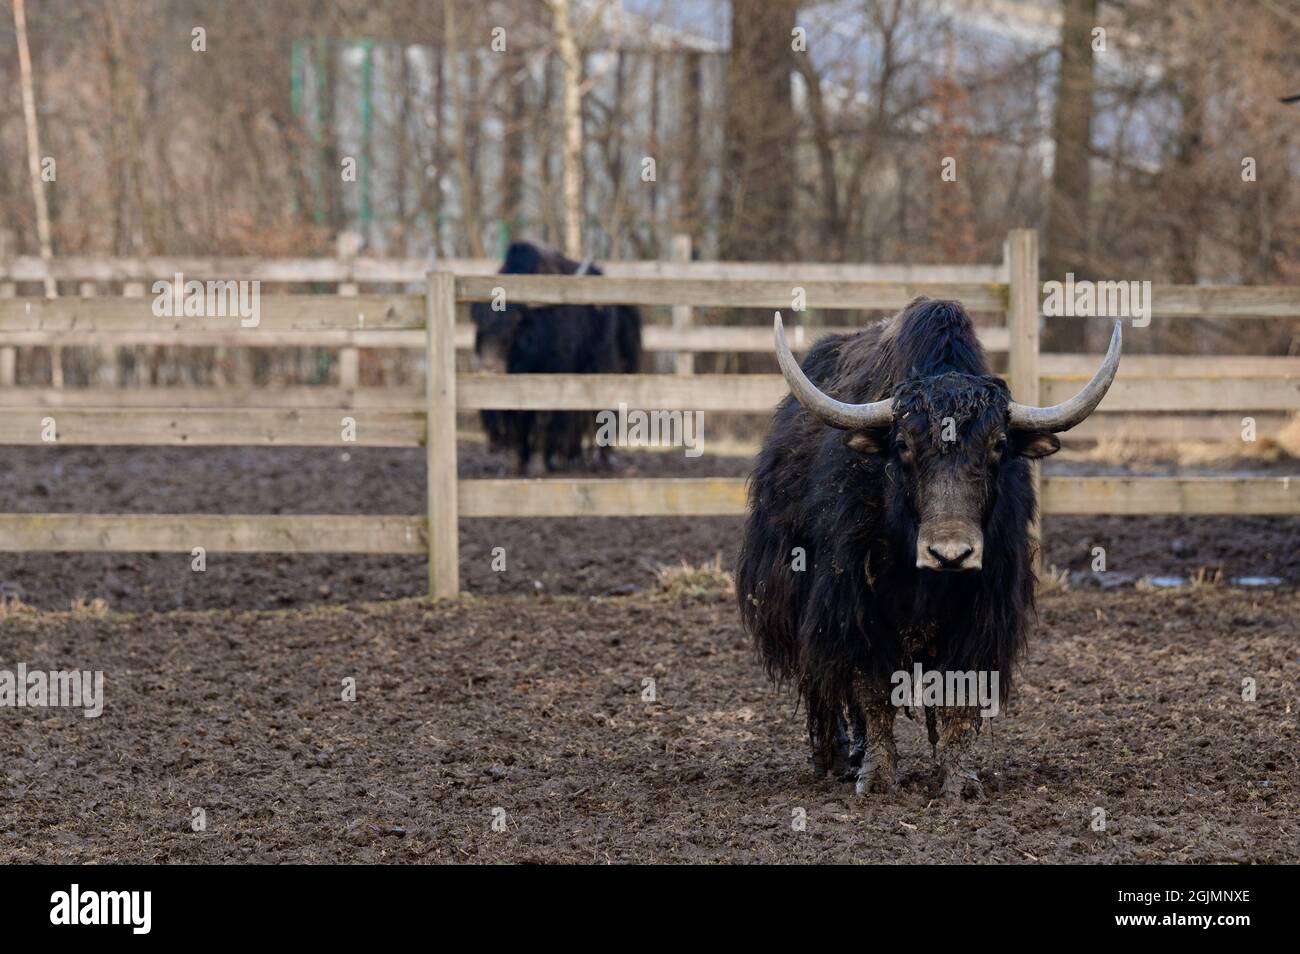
[8,289]
[440,434]
[683,315]
[153,354]
[105,371]
[347,245]
[1023,297]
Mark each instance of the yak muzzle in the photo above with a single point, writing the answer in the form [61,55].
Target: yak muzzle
[950,546]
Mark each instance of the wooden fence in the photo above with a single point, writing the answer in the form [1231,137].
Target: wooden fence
[376,417]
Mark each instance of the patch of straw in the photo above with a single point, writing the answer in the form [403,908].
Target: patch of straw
[1053,580]
[95,607]
[13,606]
[699,580]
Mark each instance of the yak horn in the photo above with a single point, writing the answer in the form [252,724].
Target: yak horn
[1062,417]
[821,405]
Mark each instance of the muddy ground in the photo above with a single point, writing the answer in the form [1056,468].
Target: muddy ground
[580,556]
[532,709]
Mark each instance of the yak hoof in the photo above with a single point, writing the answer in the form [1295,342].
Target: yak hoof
[878,780]
[821,766]
[958,785]
[834,763]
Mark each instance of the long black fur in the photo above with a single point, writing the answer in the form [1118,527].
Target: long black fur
[861,606]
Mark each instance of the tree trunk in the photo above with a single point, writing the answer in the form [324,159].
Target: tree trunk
[1067,207]
[566,45]
[33,145]
[515,143]
[465,178]
[757,201]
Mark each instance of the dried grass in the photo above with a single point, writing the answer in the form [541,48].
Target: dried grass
[686,579]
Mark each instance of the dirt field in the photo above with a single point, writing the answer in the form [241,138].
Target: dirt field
[586,557]
[224,691]
[1130,702]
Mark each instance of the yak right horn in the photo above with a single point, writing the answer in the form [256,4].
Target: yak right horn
[822,406]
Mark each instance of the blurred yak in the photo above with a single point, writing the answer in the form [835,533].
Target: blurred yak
[888,526]
[552,339]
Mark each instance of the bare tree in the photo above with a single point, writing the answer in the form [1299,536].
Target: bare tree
[468,188]
[33,143]
[566,45]
[758,197]
[1069,193]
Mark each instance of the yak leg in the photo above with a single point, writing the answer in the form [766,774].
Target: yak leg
[958,727]
[553,440]
[858,739]
[879,769]
[563,440]
[830,744]
[522,434]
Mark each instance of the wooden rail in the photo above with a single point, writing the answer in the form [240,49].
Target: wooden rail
[722,293]
[181,533]
[314,313]
[412,271]
[695,497]
[200,426]
[308,411]
[725,496]
[653,338]
[1183,392]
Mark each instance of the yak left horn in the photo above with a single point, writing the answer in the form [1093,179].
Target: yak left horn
[1062,417]
[822,405]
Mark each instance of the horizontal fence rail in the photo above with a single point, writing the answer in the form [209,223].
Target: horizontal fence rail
[760,392]
[181,533]
[723,293]
[30,407]
[1153,395]
[680,496]
[653,338]
[725,496]
[276,313]
[75,268]
[201,427]
[306,397]
[313,416]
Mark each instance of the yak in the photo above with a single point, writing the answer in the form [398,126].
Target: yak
[557,339]
[889,526]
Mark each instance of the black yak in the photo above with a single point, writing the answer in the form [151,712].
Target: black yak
[555,339]
[889,515]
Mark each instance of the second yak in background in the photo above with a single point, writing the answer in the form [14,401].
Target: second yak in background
[551,339]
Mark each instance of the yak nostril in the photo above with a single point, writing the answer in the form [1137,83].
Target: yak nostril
[951,554]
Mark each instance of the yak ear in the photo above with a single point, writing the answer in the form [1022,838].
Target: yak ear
[1036,444]
[871,440]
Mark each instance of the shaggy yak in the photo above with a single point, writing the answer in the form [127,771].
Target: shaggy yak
[556,339]
[888,526]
